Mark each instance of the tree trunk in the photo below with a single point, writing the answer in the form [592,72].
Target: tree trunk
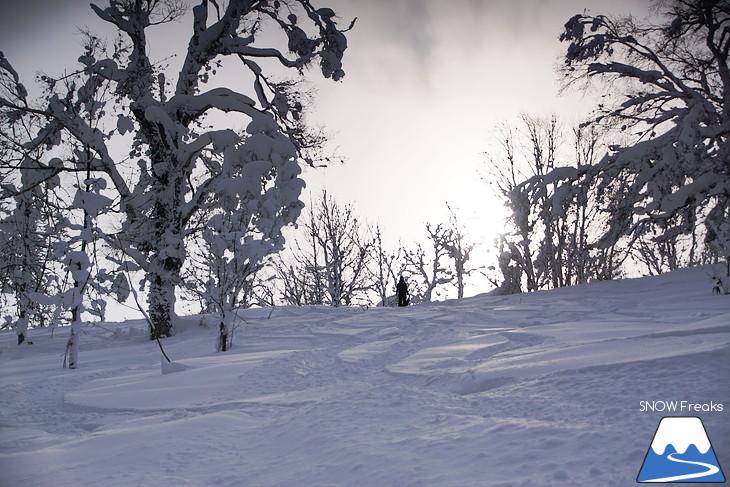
[167,253]
[223,337]
[460,280]
[22,326]
[71,359]
[161,301]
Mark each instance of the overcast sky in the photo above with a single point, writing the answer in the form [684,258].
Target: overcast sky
[426,83]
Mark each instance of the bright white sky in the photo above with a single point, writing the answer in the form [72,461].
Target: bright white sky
[426,83]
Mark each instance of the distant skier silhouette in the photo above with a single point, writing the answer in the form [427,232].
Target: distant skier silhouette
[401,290]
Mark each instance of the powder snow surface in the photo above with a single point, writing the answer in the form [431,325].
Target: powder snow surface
[525,390]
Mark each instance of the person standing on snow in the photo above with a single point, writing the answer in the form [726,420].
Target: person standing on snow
[401,290]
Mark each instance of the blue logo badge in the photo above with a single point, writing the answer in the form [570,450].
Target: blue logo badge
[681,452]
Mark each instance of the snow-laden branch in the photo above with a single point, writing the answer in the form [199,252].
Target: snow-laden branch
[190,107]
[207,42]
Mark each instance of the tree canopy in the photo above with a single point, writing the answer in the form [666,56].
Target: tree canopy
[183,167]
[666,85]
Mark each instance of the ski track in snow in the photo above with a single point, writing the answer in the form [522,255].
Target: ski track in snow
[526,390]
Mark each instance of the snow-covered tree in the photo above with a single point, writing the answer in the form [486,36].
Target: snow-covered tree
[552,225]
[295,287]
[224,263]
[585,218]
[26,242]
[28,193]
[181,156]
[91,282]
[506,171]
[459,249]
[428,269]
[667,85]
[511,280]
[385,269]
[67,277]
[332,259]
[527,154]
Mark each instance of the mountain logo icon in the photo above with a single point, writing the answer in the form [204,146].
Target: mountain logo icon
[681,452]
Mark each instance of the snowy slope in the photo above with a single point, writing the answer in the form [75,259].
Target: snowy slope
[536,390]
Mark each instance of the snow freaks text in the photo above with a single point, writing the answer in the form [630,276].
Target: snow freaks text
[680,407]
